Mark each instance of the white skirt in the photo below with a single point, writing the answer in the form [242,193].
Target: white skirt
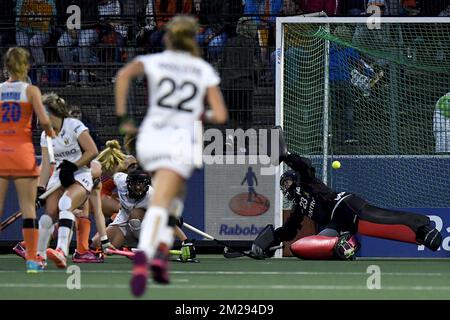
[176,149]
[82,176]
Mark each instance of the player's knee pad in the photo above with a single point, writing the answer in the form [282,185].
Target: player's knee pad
[45,222]
[64,203]
[135,227]
[66,217]
[176,207]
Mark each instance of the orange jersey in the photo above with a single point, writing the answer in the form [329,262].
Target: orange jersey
[108,186]
[17,154]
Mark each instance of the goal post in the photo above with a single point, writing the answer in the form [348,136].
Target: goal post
[364,91]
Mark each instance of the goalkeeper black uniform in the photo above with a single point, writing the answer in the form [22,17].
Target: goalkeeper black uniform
[342,214]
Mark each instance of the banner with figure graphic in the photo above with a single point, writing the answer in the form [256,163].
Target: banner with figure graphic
[239,200]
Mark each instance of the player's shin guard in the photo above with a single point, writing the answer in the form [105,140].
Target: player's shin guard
[31,235]
[314,247]
[154,223]
[46,228]
[66,221]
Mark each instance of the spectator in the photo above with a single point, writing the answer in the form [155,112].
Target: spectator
[409,8]
[213,26]
[77,43]
[441,124]
[239,68]
[379,3]
[265,12]
[342,62]
[111,30]
[445,12]
[33,27]
[355,7]
[159,12]
[330,7]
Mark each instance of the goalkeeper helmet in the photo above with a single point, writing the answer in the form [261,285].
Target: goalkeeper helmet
[138,182]
[288,183]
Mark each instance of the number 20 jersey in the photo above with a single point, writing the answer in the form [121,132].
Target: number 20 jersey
[15,111]
[17,155]
[177,83]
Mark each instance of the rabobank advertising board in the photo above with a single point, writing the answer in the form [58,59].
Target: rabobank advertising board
[239,200]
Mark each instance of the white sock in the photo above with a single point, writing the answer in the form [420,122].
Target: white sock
[66,221]
[167,236]
[46,228]
[154,223]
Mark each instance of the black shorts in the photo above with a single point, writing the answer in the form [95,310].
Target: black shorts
[344,216]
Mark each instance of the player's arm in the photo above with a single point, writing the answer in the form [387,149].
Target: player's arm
[89,148]
[45,168]
[35,97]
[96,202]
[289,229]
[130,71]
[218,114]
[302,166]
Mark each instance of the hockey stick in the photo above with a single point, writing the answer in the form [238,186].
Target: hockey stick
[210,237]
[234,254]
[130,254]
[18,214]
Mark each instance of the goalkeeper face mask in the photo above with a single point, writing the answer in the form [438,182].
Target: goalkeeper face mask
[288,184]
[138,183]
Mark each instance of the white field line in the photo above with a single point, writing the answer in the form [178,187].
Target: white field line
[233,287]
[278,273]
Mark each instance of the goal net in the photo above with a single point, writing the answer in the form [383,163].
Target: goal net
[365,93]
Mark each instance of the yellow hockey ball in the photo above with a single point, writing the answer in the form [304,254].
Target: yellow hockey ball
[336,164]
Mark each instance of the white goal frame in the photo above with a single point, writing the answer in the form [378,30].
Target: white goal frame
[321,18]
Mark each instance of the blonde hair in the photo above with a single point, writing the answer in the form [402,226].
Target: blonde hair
[17,62]
[181,32]
[111,158]
[55,105]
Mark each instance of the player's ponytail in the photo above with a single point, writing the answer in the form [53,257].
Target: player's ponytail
[55,105]
[181,32]
[111,158]
[17,62]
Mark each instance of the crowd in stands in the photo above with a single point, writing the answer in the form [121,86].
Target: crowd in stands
[237,36]
[42,26]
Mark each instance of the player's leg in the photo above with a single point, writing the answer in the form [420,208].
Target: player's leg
[72,198]
[377,222]
[47,222]
[398,225]
[26,190]
[156,237]
[133,227]
[110,205]
[4,182]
